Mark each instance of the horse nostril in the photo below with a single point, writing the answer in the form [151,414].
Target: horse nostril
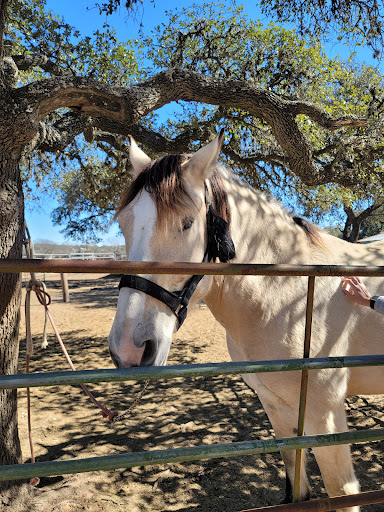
[149,354]
[115,359]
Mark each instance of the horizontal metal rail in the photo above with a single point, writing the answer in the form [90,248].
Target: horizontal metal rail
[23,471]
[151,267]
[147,458]
[326,504]
[25,380]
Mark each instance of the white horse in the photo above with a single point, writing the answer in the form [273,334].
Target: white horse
[164,218]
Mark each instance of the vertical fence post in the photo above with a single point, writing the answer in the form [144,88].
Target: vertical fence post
[304,386]
[64,286]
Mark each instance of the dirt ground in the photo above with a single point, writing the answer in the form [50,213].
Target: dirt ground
[172,413]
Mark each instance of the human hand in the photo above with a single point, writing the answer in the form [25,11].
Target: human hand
[355,290]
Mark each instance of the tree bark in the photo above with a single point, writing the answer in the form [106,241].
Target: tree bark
[11,239]
[3,18]
[351,229]
[128,105]
[353,223]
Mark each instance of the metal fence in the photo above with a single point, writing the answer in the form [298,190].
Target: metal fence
[78,256]
[306,364]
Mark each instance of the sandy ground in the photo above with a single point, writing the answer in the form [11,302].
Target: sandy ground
[172,413]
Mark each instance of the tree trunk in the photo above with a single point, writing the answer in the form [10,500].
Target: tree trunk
[11,239]
[353,223]
[352,229]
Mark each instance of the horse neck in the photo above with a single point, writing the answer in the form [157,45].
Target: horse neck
[262,230]
[263,233]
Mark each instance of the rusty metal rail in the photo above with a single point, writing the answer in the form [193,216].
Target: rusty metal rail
[304,385]
[138,267]
[326,504]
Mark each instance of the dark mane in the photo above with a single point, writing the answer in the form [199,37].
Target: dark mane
[163,180]
[220,197]
[312,231]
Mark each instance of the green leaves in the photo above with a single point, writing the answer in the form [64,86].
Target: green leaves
[224,43]
[218,41]
[34,30]
[357,22]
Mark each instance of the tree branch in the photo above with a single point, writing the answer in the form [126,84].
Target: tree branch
[152,140]
[126,106]
[272,159]
[3,19]
[323,118]
[56,137]
[26,62]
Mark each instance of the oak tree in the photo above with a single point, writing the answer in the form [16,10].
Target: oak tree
[59,94]
[223,43]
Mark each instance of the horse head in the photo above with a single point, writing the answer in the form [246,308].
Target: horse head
[163,217]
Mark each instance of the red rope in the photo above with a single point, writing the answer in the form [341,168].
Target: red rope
[35,480]
[45,300]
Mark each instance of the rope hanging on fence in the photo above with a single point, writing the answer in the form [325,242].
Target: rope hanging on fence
[28,245]
[34,481]
[45,300]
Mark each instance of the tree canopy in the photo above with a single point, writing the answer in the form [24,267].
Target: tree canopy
[357,21]
[299,124]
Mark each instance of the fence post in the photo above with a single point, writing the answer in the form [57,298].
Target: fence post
[64,286]
[304,386]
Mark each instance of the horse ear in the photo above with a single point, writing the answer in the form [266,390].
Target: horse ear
[138,158]
[201,164]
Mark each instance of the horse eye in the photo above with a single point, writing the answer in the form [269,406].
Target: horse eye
[187,223]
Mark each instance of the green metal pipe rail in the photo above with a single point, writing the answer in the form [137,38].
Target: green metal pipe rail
[33,380]
[21,471]
[192,453]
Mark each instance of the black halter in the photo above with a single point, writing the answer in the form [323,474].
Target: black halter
[219,245]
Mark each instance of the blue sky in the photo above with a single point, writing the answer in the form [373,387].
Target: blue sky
[85,17]
[150,15]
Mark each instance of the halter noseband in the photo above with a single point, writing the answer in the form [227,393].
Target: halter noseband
[219,245]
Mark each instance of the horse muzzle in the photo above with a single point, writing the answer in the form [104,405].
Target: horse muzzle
[145,356]
[142,348]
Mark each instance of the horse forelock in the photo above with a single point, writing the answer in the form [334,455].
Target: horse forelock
[163,179]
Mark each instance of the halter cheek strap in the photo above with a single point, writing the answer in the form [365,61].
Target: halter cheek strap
[219,245]
[176,301]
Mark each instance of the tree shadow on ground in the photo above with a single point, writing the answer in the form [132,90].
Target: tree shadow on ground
[92,293]
[176,413]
